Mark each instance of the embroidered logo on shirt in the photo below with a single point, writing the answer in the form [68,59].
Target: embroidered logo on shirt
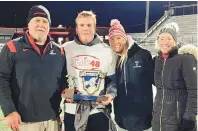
[24,49]
[52,52]
[137,65]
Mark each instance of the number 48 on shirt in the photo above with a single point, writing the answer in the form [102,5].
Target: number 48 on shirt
[95,63]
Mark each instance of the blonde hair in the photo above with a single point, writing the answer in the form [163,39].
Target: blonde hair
[123,57]
[86,14]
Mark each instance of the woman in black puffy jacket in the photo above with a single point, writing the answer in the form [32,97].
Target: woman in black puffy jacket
[175,77]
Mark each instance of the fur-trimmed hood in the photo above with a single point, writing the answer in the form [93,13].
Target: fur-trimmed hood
[189,49]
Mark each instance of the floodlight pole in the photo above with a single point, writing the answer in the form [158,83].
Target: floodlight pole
[147,17]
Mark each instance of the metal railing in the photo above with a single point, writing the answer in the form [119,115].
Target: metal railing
[157,24]
[184,9]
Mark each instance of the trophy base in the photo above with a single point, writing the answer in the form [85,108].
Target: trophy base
[89,98]
[70,93]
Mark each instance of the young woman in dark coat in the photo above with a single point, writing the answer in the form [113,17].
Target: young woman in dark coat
[134,77]
[175,77]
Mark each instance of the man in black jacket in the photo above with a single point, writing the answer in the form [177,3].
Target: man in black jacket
[32,77]
[134,77]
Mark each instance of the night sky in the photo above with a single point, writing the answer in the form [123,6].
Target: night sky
[130,13]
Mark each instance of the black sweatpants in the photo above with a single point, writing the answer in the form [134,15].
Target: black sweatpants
[96,122]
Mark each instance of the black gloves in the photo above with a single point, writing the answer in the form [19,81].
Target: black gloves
[188,125]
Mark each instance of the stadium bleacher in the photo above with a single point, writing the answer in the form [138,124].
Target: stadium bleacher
[187,31]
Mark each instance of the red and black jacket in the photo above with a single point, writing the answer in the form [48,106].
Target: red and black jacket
[30,82]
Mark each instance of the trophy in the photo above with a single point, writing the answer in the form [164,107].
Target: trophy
[91,82]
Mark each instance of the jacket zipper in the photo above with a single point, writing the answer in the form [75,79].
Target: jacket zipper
[125,78]
[163,95]
[177,110]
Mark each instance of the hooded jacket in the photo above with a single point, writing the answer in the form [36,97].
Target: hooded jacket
[90,66]
[175,106]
